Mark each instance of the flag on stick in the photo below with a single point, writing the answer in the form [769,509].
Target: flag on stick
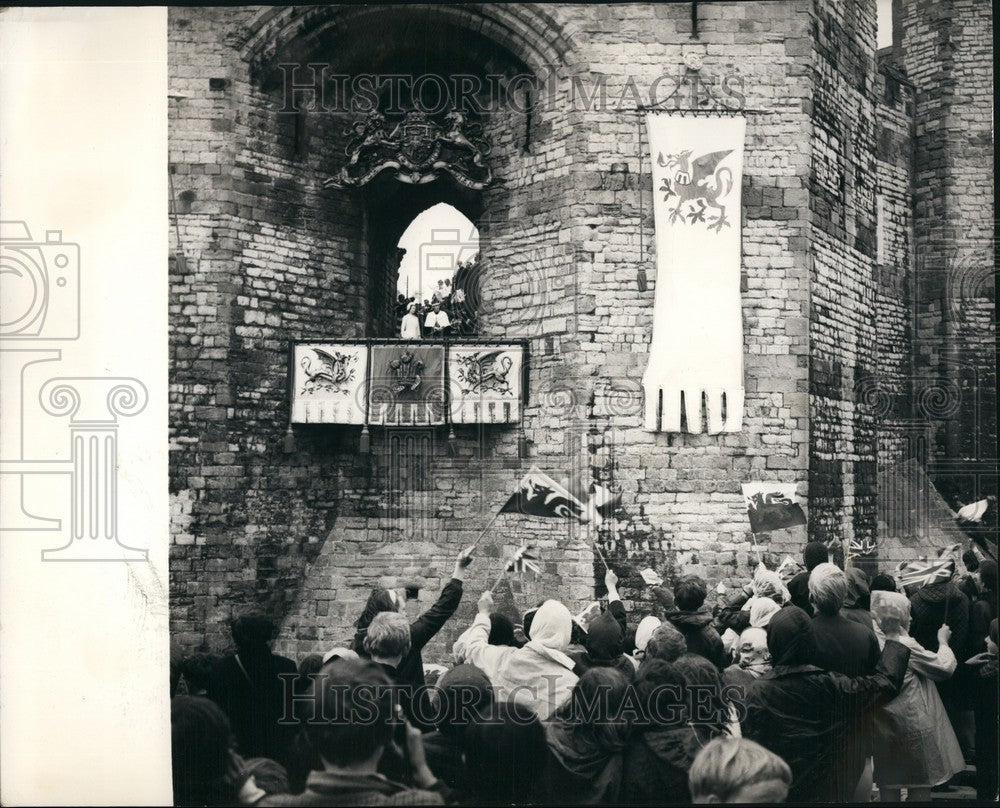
[772,506]
[539,495]
[599,503]
[923,572]
[524,559]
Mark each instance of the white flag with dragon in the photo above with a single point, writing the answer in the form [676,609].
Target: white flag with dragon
[696,354]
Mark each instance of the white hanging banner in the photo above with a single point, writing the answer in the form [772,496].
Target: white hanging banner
[696,354]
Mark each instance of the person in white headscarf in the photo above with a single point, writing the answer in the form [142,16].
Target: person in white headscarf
[762,611]
[753,659]
[643,632]
[539,675]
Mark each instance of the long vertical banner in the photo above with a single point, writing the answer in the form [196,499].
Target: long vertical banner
[696,352]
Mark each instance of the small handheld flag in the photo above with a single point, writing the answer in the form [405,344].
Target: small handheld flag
[524,559]
[973,512]
[923,572]
[772,506]
[538,494]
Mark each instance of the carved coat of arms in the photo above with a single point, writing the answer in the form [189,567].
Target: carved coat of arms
[418,149]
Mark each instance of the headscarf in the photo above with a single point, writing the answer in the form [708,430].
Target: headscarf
[644,631]
[790,638]
[768,584]
[891,610]
[551,630]
[754,657]
[761,612]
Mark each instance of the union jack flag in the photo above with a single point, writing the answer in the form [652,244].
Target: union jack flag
[862,547]
[524,559]
[923,572]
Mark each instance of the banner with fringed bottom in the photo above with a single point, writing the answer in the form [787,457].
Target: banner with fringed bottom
[696,353]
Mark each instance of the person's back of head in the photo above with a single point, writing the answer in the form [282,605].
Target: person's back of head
[790,639]
[501,630]
[970,560]
[814,554]
[197,672]
[738,770]
[505,754]
[659,687]
[388,636]
[988,575]
[352,718]
[703,686]
[201,740]
[883,582]
[594,709]
[690,593]
[253,632]
[666,643]
[461,695]
[380,600]
[827,588]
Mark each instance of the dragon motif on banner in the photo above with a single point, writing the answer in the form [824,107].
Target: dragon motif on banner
[485,371]
[329,372]
[698,185]
[417,150]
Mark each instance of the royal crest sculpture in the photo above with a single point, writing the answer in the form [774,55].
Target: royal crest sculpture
[417,150]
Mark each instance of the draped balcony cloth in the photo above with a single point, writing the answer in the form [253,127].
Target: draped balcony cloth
[485,383]
[407,385]
[697,346]
[329,384]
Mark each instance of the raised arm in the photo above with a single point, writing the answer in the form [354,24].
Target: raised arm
[615,607]
[936,667]
[478,650]
[429,623]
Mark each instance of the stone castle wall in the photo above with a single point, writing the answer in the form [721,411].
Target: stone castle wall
[272,257]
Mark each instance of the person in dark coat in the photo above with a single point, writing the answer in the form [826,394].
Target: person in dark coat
[605,636]
[502,631]
[255,689]
[842,645]
[848,647]
[411,669]
[586,738]
[983,610]
[463,694]
[984,702]
[814,554]
[664,744]
[857,602]
[803,713]
[505,757]
[928,605]
[693,619]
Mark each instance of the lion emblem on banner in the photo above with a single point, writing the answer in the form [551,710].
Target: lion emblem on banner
[698,185]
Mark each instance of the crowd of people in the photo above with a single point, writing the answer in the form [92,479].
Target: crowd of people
[448,312]
[814,690]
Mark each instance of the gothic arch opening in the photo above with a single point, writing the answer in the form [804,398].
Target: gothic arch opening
[438,253]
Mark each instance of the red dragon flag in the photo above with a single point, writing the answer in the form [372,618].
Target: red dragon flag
[539,495]
[772,506]
[696,352]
